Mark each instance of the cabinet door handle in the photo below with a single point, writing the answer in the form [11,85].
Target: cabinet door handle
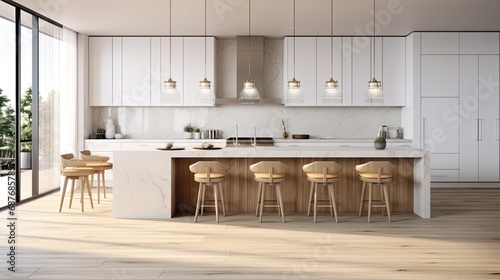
[422,145]
[480,130]
[476,129]
[498,123]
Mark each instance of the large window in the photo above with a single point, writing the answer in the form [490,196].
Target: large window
[30,75]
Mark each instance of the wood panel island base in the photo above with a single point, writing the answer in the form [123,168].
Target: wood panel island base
[158,184]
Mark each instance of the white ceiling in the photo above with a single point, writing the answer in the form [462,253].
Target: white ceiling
[273,18]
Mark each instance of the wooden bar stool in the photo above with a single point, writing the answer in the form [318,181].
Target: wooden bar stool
[100,164]
[269,173]
[209,173]
[326,174]
[376,173]
[73,169]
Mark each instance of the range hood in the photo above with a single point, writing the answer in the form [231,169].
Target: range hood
[256,49]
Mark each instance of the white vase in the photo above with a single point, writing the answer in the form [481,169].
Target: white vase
[197,135]
[110,129]
[189,135]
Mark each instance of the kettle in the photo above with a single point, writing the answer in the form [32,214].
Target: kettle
[382,131]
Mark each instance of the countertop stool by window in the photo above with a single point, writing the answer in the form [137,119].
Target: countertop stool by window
[100,164]
[209,173]
[376,173]
[327,174]
[74,169]
[269,173]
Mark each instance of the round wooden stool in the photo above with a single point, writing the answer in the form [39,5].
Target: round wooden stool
[73,170]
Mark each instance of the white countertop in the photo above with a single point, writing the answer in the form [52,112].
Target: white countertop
[298,152]
[276,140]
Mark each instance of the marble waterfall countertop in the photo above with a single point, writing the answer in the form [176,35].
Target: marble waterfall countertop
[142,186]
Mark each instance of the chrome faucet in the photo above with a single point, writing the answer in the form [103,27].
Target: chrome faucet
[254,136]
[236,128]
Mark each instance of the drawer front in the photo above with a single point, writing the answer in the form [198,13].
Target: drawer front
[445,161]
[94,146]
[142,146]
[444,175]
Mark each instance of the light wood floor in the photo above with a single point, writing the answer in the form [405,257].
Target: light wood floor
[461,241]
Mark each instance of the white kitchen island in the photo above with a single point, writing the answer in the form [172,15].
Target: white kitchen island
[144,184]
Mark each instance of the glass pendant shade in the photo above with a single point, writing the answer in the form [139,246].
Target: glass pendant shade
[249,93]
[332,91]
[294,92]
[204,94]
[374,91]
[171,94]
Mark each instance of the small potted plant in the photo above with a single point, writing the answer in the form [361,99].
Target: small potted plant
[188,130]
[379,143]
[197,133]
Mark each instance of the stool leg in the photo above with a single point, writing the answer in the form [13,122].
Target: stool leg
[103,183]
[315,200]
[72,191]
[198,201]
[362,198]
[257,207]
[66,178]
[386,196]
[82,186]
[89,190]
[202,199]
[216,201]
[277,198]
[262,192]
[98,186]
[281,203]
[333,198]
[311,190]
[381,194]
[370,201]
[330,199]
[222,199]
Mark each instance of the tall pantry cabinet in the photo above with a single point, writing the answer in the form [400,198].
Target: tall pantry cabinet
[460,105]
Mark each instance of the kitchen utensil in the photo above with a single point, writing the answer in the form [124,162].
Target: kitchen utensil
[300,136]
[171,149]
[285,134]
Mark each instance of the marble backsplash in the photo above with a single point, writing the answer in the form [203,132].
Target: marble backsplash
[167,122]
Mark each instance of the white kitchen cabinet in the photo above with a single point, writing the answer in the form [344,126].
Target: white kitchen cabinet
[479,119]
[440,125]
[136,71]
[301,64]
[195,69]
[394,71]
[161,69]
[103,148]
[325,48]
[117,72]
[362,61]
[440,74]
[479,43]
[440,136]
[440,43]
[100,71]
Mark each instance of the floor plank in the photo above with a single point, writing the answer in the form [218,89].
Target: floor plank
[460,241]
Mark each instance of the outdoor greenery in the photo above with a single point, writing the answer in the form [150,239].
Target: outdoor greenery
[26,120]
[7,123]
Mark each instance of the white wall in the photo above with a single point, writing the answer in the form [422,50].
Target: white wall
[167,122]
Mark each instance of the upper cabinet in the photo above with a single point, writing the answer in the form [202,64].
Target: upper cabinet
[440,43]
[479,43]
[130,71]
[136,71]
[309,59]
[199,62]
[100,71]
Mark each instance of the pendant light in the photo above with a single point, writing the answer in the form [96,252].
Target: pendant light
[374,92]
[171,94]
[204,94]
[249,94]
[332,92]
[294,93]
